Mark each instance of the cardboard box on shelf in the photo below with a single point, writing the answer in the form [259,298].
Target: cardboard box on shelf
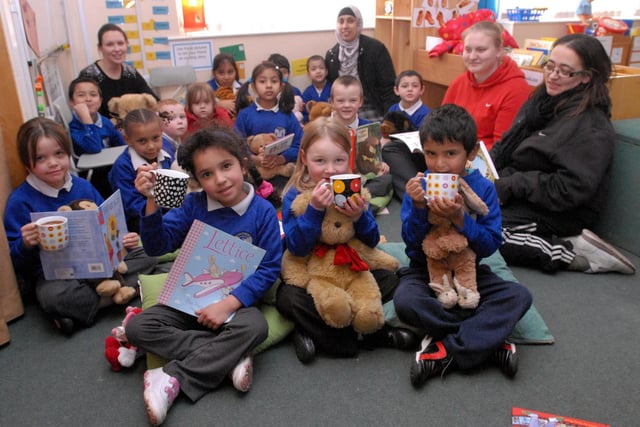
[618,47]
[624,89]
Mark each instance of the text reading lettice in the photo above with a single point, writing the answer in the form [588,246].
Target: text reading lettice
[228,247]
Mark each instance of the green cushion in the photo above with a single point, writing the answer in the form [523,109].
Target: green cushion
[279,326]
[531,329]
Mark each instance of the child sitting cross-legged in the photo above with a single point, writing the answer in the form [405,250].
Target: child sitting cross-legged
[44,149]
[455,337]
[205,348]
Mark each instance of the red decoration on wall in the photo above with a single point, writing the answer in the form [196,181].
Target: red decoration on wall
[193,15]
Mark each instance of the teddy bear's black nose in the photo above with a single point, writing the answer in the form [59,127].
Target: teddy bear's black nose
[337,224]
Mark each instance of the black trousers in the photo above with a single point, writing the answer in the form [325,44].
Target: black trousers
[296,304]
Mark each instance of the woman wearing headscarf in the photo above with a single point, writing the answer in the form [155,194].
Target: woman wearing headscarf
[365,58]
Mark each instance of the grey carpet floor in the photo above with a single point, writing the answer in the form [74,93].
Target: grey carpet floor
[591,372]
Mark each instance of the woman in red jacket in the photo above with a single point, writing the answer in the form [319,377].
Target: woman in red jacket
[492,90]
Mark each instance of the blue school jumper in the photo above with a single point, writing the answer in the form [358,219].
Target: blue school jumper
[253,120]
[470,336]
[92,138]
[417,117]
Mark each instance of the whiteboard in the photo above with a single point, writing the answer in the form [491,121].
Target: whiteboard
[226,18]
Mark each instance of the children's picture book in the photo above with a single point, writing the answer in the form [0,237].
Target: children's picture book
[279,145]
[484,164]
[411,139]
[95,241]
[365,155]
[521,417]
[211,264]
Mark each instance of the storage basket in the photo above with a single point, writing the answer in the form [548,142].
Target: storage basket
[519,14]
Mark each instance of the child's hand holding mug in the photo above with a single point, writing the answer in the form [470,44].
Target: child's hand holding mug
[146,180]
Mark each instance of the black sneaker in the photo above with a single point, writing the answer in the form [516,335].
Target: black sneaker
[304,346]
[431,360]
[64,325]
[506,358]
[388,336]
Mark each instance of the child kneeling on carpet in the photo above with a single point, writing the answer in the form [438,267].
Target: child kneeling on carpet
[455,337]
[206,348]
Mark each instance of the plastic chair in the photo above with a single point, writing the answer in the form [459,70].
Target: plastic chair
[180,76]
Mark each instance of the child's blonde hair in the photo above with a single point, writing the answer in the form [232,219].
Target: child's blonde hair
[197,92]
[346,81]
[318,128]
[492,29]
[165,103]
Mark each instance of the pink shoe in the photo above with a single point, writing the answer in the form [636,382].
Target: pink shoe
[242,374]
[160,390]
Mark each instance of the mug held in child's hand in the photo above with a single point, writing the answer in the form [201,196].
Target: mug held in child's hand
[54,232]
[441,185]
[170,188]
[345,186]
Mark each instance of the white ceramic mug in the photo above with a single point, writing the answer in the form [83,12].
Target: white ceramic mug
[170,188]
[54,232]
[443,185]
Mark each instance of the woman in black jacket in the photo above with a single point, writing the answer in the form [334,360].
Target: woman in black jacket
[554,165]
[365,58]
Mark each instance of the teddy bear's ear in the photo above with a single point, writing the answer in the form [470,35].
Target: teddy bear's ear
[113,104]
[300,203]
[365,194]
[65,208]
[310,105]
[149,100]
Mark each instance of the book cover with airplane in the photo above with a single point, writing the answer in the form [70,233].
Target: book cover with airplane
[211,264]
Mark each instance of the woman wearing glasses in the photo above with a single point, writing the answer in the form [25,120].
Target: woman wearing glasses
[554,165]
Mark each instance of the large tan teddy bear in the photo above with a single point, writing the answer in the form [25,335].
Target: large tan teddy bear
[451,263]
[337,274]
[119,106]
[256,146]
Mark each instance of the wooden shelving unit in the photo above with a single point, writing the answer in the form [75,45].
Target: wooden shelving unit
[394,28]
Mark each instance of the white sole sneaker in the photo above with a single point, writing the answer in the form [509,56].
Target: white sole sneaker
[242,374]
[602,256]
[160,390]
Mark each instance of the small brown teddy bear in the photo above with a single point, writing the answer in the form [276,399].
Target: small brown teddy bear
[121,105]
[396,122]
[256,146]
[451,263]
[337,274]
[318,109]
[112,287]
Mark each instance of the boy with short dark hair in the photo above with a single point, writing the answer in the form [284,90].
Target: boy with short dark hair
[91,131]
[456,337]
[410,87]
[319,89]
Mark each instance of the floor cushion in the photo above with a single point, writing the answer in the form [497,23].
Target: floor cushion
[531,329]
[279,326]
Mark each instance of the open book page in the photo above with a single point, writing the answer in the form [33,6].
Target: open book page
[521,417]
[279,146]
[95,242]
[211,264]
[411,139]
[484,164]
[365,146]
